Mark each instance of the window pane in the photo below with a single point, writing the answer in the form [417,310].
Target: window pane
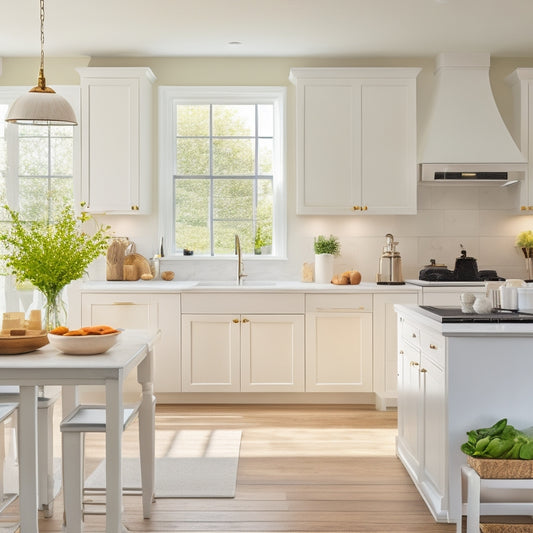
[233,157]
[61,194]
[192,157]
[265,156]
[232,199]
[34,199]
[33,156]
[233,120]
[224,237]
[192,215]
[61,156]
[265,124]
[192,120]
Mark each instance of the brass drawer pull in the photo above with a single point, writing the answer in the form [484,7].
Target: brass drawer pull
[413,363]
[432,346]
[236,320]
[423,370]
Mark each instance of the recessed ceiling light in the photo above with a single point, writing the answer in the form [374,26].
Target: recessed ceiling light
[235,43]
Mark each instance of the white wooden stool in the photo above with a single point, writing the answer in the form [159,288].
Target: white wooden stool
[86,419]
[6,410]
[475,508]
[49,483]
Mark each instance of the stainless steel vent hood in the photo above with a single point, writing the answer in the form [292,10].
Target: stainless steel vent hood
[465,133]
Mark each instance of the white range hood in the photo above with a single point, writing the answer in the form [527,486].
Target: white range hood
[465,133]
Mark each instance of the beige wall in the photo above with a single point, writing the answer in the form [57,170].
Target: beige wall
[484,220]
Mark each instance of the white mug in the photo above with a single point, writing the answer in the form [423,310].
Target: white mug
[509,298]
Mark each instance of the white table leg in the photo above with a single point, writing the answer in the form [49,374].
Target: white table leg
[147,432]
[27,443]
[113,451]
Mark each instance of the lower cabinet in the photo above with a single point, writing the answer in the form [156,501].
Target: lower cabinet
[422,408]
[152,312]
[339,343]
[242,353]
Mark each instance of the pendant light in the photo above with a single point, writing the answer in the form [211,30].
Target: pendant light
[41,106]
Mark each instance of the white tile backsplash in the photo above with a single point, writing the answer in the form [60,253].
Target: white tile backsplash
[481,218]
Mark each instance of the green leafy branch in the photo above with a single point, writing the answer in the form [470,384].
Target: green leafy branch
[51,255]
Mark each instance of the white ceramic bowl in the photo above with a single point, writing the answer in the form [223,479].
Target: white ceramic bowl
[83,345]
[525,298]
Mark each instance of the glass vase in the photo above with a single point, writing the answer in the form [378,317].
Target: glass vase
[529,266]
[55,312]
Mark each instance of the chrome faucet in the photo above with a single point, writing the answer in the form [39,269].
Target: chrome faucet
[240,265]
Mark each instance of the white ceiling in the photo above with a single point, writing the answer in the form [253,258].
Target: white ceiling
[268,28]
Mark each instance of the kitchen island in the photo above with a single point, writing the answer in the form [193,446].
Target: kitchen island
[453,377]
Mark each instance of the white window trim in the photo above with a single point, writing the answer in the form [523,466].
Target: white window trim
[169,96]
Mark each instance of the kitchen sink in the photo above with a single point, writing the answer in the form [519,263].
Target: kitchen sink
[233,283]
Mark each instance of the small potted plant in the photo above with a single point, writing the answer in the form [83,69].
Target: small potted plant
[326,248]
[524,241]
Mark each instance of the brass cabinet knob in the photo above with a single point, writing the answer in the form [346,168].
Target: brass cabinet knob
[401,352]
[236,320]
[423,370]
[364,208]
[523,208]
[135,208]
[356,208]
[432,347]
[413,363]
[413,335]
[245,320]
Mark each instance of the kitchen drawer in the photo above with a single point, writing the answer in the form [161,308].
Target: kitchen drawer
[230,302]
[433,346]
[361,303]
[410,333]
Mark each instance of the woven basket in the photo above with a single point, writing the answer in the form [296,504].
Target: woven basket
[506,528]
[502,469]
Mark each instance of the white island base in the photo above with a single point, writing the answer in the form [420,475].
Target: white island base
[453,378]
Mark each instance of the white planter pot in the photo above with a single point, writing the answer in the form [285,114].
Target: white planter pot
[323,268]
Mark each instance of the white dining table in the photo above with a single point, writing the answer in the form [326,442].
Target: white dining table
[48,366]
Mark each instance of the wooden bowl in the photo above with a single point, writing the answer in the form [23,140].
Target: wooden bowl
[15,344]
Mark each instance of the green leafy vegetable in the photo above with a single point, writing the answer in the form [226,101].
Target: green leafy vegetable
[500,441]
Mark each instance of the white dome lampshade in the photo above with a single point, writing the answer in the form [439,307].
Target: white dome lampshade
[42,105]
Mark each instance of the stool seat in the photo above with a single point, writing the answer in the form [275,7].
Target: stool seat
[92,419]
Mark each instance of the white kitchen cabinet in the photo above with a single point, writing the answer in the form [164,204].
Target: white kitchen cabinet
[116,139]
[522,128]
[338,343]
[210,351]
[356,140]
[229,346]
[385,345]
[422,407]
[142,311]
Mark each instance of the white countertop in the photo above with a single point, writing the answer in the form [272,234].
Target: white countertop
[159,286]
[511,329]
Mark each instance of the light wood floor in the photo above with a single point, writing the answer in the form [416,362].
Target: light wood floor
[301,469]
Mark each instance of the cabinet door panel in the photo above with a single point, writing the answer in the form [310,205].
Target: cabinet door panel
[272,353]
[409,401]
[434,423]
[388,165]
[210,353]
[328,144]
[339,352]
[112,159]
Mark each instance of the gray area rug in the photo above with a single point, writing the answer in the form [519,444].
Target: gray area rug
[196,464]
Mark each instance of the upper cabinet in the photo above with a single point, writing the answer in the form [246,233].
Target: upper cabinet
[356,140]
[521,81]
[116,137]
